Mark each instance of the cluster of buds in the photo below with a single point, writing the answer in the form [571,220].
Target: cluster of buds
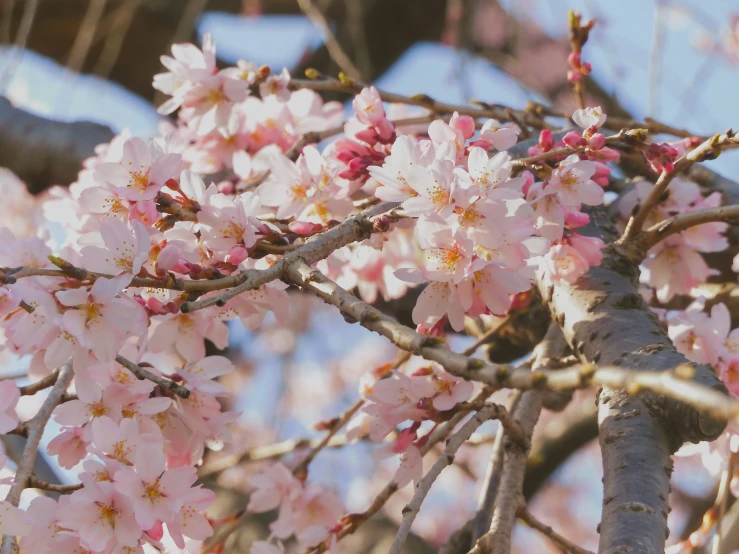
[579,33]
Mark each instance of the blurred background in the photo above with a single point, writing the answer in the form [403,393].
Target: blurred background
[676,61]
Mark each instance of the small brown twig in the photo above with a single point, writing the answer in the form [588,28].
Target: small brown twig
[143,374]
[565,544]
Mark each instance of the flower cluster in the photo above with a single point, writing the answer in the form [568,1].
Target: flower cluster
[307,511]
[420,394]
[484,230]
[675,265]
[127,284]
[707,338]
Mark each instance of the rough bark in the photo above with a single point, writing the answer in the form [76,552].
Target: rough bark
[44,152]
[605,321]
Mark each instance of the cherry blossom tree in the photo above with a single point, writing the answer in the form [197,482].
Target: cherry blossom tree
[437,232]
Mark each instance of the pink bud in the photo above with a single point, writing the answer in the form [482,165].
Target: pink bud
[586,68]
[484,144]
[529,180]
[605,155]
[404,440]
[368,135]
[156,306]
[546,140]
[304,228]
[156,532]
[464,124]
[573,220]
[573,139]
[597,141]
[602,170]
[236,255]
[168,257]
[386,130]
[573,76]
[182,266]
[574,59]
[225,187]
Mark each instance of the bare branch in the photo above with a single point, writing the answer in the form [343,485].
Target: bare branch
[142,374]
[36,483]
[333,46]
[354,228]
[679,223]
[565,544]
[447,458]
[35,431]
[504,452]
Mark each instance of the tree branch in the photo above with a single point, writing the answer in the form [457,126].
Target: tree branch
[35,431]
[565,544]
[708,149]
[605,321]
[354,228]
[142,373]
[504,453]
[676,224]
[447,458]
[493,534]
[43,152]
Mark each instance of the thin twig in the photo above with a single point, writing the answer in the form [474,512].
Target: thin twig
[36,483]
[41,384]
[354,228]
[332,44]
[351,522]
[143,374]
[565,544]
[447,458]
[681,222]
[27,460]
[710,147]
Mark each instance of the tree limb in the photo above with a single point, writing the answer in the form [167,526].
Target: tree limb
[43,152]
[605,321]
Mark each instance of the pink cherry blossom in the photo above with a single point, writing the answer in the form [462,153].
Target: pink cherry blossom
[564,263]
[499,136]
[226,222]
[100,320]
[124,251]
[589,117]
[406,153]
[70,446]
[9,396]
[14,521]
[186,333]
[273,486]
[155,494]
[102,517]
[672,267]
[142,171]
[189,521]
[572,181]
